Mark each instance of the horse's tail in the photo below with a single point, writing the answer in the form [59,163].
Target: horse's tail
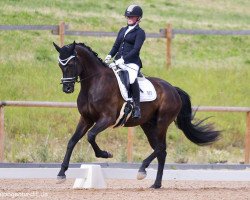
[198,133]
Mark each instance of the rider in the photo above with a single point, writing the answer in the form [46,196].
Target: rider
[126,50]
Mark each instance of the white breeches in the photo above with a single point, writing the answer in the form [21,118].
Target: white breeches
[132,71]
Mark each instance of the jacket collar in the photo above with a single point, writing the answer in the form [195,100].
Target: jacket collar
[135,28]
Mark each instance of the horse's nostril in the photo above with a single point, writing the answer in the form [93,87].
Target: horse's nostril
[68,89]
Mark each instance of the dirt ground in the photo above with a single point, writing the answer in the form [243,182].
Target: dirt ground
[124,189]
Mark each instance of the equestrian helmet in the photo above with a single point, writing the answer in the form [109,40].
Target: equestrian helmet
[133,10]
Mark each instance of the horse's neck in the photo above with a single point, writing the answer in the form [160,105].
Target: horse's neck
[91,65]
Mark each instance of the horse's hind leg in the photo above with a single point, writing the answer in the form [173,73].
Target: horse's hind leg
[161,157]
[148,130]
[157,139]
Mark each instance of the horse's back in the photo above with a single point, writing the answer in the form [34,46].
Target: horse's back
[167,95]
[163,87]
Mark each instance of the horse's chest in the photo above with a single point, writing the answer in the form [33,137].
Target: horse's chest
[86,108]
[82,104]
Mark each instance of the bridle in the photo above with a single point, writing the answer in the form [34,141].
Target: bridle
[74,79]
[64,62]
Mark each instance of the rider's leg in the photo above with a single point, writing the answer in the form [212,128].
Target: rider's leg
[136,97]
[133,72]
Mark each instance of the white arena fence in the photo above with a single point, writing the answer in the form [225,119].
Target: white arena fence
[94,176]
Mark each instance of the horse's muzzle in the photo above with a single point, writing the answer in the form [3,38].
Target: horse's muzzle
[68,87]
[68,84]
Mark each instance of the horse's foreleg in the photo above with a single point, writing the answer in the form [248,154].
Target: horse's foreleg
[81,129]
[100,125]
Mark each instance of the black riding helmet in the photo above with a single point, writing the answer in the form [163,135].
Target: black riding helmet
[133,10]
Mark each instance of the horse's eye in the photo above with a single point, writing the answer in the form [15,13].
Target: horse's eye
[70,65]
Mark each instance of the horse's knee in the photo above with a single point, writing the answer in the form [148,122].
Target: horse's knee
[91,137]
[74,139]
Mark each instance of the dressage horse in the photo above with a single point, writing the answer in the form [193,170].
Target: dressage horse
[99,103]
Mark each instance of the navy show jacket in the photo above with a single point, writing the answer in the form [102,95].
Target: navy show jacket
[129,46]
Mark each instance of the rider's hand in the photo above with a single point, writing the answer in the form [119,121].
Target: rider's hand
[119,62]
[107,59]
[112,65]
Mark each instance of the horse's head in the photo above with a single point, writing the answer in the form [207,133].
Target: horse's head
[68,63]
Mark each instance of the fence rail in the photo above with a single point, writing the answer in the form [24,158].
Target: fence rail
[162,33]
[168,33]
[130,130]
[38,104]
[211,32]
[30,27]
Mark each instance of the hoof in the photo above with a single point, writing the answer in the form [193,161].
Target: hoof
[110,155]
[141,175]
[104,154]
[61,179]
[155,186]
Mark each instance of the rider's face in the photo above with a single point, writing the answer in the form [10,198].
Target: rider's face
[132,20]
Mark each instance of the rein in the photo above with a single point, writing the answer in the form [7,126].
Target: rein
[87,77]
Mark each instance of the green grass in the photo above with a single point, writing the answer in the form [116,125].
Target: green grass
[214,70]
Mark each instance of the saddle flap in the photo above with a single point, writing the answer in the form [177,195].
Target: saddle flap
[124,76]
[147,90]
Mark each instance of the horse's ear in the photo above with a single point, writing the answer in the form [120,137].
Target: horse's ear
[57,47]
[72,48]
[74,44]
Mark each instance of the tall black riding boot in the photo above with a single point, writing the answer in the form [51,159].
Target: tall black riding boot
[136,97]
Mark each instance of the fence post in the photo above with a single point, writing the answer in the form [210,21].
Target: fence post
[247,139]
[169,42]
[1,133]
[62,33]
[130,144]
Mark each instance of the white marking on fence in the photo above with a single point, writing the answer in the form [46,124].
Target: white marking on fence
[29,173]
[94,179]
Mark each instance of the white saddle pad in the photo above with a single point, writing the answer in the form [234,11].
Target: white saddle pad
[147,90]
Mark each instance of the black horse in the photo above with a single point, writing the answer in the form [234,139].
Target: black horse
[99,104]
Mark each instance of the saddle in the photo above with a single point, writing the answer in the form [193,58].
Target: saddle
[147,93]
[147,90]
[124,76]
